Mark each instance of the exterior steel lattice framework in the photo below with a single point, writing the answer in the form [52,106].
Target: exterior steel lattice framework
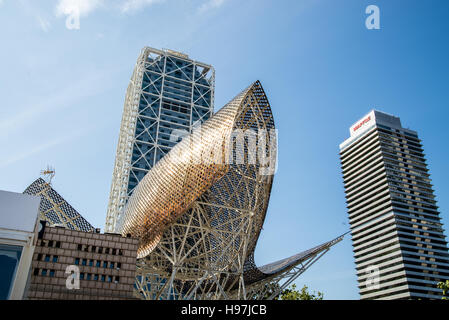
[167,96]
[199,212]
[55,210]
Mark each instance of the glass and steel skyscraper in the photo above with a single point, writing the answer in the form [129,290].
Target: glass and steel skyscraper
[399,247]
[167,96]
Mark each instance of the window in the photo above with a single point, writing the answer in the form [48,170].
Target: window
[103,278]
[105,264]
[96,277]
[9,261]
[44,272]
[80,247]
[47,258]
[84,262]
[94,248]
[86,248]
[55,258]
[120,252]
[106,251]
[36,272]
[58,244]
[77,261]
[81,276]
[91,263]
[111,265]
[114,252]
[98,264]
[89,276]
[109,278]
[39,257]
[117,279]
[52,273]
[50,243]
[100,250]
[119,265]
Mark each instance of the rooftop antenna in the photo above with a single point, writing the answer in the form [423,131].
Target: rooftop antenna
[48,173]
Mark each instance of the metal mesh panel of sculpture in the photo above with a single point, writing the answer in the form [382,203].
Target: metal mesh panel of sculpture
[200,210]
[55,209]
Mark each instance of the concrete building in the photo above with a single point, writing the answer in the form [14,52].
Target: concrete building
[70,264]
[168,95]
[18,230]
[399,247]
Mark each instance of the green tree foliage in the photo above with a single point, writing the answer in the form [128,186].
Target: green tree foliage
[293,294]
[445,287]
[290,293]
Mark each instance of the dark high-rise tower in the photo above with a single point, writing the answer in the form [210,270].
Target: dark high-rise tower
[167,96]
[399,247]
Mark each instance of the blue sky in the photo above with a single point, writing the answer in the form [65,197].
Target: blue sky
[63,90]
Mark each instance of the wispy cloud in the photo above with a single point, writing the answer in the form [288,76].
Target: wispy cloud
[75,9]
[32,9]
[85,7]
[81,7]
[29,152]
[43,23]
[62,98]
[134,5]
[210,4]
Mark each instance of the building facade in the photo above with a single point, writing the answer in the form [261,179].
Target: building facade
[18,231]
[168,95]
[399,247]
[70,264]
